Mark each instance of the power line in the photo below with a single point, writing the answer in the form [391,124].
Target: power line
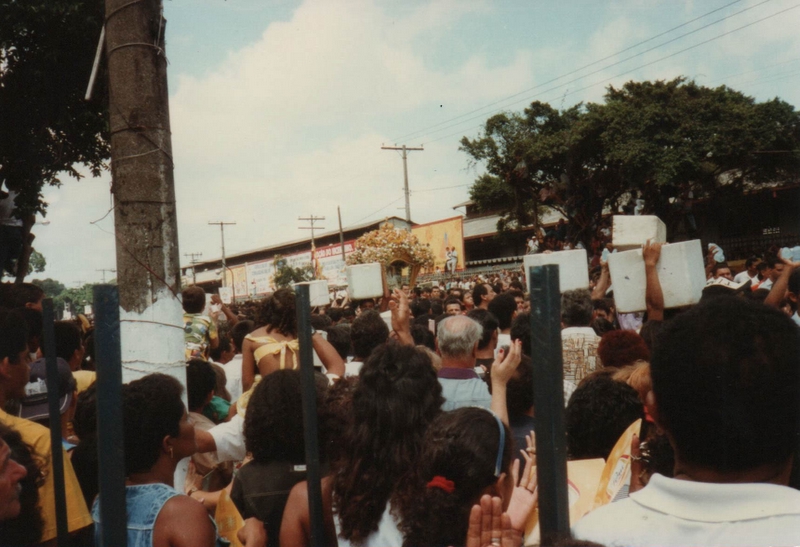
[425,130]
[378,211]
[636,68]
[579,78]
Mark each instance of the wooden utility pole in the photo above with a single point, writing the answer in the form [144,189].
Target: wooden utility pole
[405,150]
[222,225]
[145,219]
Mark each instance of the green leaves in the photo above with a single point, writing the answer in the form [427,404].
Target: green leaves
[654,139]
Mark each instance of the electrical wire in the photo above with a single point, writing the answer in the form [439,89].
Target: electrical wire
[426,129]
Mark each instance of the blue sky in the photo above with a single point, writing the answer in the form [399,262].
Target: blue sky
[279,109]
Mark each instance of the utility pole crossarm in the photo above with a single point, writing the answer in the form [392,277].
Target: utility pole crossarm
[311,219]
[405,149]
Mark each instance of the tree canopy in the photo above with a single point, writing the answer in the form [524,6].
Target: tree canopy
[654,141]
[46,128]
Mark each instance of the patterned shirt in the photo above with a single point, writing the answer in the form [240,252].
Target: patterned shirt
[579,350]
[198,332]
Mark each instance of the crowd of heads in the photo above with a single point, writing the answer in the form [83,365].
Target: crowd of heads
[715,385]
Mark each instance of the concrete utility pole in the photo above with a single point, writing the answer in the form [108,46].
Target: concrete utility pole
[311,219]
[341,232]
[222,235]
[145,220]
[193,260]
[405,150]
[104,270]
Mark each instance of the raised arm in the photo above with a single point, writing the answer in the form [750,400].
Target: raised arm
[781,285]
[503,369]
[603,283]
[654,296]
[401,323]
[334,364]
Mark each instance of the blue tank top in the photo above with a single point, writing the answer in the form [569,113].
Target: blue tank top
[143,504]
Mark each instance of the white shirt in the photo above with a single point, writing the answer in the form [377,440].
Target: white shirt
[233,376]
[229,438]
[743,276]
[766,284]
[672,512]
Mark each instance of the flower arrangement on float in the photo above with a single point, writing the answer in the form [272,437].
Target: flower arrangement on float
[390,246]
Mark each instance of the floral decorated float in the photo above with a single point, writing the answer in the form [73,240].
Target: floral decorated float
[393,248]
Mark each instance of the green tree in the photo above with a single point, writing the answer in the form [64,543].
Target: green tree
[47,129]
[285,274]
[656,141]
[51,287]
[36,262]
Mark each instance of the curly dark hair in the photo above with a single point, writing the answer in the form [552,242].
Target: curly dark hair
[151,410]
[278,312]
[273,424]
[462,447]
[724,376]
[335,416]
[397,396]
[521,330]
[503,306]
[339,338]
[599,411]
[26,528]
[193,299]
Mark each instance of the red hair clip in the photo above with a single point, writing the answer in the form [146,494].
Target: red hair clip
[440,482]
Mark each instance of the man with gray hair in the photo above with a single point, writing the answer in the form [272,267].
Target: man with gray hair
[457,342]
[578,340]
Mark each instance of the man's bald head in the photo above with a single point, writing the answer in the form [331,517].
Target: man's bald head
[457,336]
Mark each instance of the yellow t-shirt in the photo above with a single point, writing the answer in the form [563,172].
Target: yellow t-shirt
[84,379]
[38,437]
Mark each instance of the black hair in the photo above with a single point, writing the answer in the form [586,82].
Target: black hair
[726,384]
[339,338]
[14,339]
[488,322]
[320,322]
[602,326]
[794,283]
[239,331]
[521,330]
[503,307]
[436,307]
[335,416]
[599,411]
[152,409]
[223,346]
[33,318]
[84,459]
[479,291]
[17,295]
[278,312]
[26,528]
[423,336]
[273,423]
[718,266]
[601,304]
[750,261]
[461,446]
[68,339]
[367,332]
[517,285]
[336,314]
[420,307]
[201,379]
[650,332]
[194,299]
[397,396]
[772,260]
[576,308]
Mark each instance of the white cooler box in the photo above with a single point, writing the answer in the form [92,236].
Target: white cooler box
[631,232]
[364,281]
[573,268]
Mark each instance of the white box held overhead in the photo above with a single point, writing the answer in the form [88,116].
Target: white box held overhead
[680,270]
[364,281]
[573,268]
[317,292]
[630,232]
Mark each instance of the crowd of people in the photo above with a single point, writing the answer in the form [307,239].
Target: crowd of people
[426,417]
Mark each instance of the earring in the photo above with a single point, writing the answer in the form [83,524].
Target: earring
[171,454]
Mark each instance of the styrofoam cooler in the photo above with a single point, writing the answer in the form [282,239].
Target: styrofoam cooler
[317,292]
[630,232]
[573,268]
[364,281]
[680,270]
